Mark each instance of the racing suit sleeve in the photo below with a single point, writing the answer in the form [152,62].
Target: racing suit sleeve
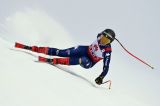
[106,62]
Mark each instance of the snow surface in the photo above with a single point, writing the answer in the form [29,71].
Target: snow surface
[25,82]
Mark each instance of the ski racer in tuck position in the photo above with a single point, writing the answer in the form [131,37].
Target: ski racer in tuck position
[85,56]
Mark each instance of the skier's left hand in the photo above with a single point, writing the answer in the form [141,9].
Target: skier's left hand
[99,80]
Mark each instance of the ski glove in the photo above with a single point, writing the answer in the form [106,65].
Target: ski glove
[99,80]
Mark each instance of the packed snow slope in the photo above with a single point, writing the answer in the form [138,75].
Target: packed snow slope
[23,81]
[26,82]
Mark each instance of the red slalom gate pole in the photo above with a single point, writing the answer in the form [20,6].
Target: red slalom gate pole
[134,55]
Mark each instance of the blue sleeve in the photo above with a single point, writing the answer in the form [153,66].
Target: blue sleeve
[106,62]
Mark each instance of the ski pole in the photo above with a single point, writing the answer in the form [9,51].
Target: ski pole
[109,83]
[134,55]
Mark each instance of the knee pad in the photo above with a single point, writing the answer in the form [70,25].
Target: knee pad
[86,62]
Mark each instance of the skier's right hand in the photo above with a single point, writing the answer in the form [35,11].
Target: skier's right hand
[99,80]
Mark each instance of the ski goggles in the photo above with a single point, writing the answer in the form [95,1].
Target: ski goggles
[107,35]
[104,40]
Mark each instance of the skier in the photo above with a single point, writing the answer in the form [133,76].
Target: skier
[85,56]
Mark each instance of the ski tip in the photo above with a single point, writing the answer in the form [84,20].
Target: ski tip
[18,45]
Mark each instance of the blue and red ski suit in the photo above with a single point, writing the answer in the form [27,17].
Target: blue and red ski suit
[85,56]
